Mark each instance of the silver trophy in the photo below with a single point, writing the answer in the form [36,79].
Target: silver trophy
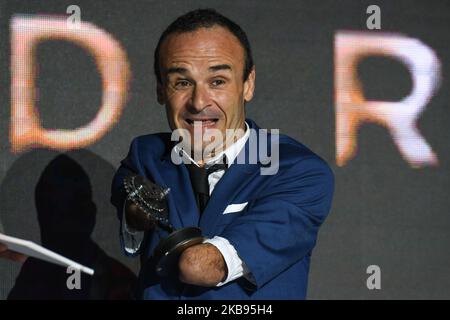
[151,200]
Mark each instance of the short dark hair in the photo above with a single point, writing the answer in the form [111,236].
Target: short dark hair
[204,18]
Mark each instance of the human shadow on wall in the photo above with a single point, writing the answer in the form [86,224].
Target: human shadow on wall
[66,214]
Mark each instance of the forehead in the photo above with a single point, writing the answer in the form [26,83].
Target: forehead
[205,45]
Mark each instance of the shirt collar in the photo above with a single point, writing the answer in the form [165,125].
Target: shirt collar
[230,153]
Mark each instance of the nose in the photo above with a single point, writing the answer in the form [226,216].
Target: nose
[200,98]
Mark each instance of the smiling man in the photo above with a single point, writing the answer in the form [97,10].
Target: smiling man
[204,78]
[260,228]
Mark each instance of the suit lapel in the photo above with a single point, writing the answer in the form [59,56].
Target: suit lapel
[233,181]
[183,211]
[229,186]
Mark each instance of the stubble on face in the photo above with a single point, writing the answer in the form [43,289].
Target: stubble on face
[203,88]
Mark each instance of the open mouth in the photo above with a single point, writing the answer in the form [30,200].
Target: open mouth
[203,122]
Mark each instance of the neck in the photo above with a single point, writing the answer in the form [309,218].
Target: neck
[232,135]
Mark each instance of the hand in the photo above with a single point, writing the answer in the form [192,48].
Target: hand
[11,255]
[136,218]
[202,265]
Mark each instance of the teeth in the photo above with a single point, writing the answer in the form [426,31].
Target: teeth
[190,121]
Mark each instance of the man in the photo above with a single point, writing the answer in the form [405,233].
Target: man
[205,76]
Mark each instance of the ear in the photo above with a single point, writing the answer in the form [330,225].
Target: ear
[249,85]
[160,93]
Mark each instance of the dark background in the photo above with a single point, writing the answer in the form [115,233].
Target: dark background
[384,212]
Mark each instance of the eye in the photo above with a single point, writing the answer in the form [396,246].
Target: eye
[218,82]
[181,84]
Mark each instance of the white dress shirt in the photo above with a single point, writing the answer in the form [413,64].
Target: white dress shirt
[236,267]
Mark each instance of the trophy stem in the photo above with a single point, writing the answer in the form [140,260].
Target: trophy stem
[168,227]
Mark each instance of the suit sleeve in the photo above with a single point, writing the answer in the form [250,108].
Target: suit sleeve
[281,226]
[130,165]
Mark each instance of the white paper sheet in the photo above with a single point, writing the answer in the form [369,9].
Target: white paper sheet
[36,251]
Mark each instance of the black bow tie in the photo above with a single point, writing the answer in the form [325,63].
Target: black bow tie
[199,180]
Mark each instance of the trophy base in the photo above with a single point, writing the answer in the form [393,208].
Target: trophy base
[169,249]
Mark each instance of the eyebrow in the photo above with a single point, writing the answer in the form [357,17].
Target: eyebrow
[176,70]
[220,67]
[211,69]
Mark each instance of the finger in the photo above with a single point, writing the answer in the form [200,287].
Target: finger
[3,247]
[18,257]
[14,256]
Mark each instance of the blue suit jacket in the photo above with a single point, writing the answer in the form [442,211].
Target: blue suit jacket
[274,234]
